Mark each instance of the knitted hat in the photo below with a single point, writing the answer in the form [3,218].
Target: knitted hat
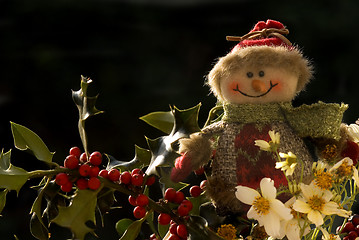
[268,33]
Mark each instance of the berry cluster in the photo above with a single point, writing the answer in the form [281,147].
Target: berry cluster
[350,228]
[88,169]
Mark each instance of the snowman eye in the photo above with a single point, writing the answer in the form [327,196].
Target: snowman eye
[261,73]
[249,74]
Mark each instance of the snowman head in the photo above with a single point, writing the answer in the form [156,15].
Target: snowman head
[260,70]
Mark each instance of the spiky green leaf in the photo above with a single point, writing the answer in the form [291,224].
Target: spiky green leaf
[163,121]
[81,210]
[3,199]
[37,228]
[86,107]
[25,139]
[11,177]
[142,158]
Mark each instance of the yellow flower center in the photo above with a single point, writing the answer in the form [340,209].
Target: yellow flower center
[316,203]
[344,170]
[324,180]
[261,205]
[227,231]
[330,151]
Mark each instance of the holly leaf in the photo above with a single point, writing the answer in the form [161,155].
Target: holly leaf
[86,107]
[81,210]
[197,202]
[3,199]
[163,121]
[37,228]
[36,210]
[25,139]
[163,148]
[142,158]
[133,230]
[122,225]
[11,177]
[163,155]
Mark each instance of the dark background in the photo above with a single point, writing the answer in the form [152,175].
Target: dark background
[143,56]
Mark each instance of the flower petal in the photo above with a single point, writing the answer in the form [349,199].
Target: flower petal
[301,206]
[292,230]
[327,195]
[279,208]
[315,217]
[271,222]
[267,188]
[252,214]
[330,208]
[263,145]
[246,195]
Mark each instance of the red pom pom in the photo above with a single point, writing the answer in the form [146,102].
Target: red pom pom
[351,151]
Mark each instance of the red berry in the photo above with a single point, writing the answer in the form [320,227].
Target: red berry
[132,200]
[84,170]
[83,157]
[179,197]
[81,183]
[353,235]
[348,227]
[173,228]
[170,194]
[182,231]
[142,200]
[203,185]
[103,173]
[195,191]
[199,171]
[183,210]
[94,183]
[95,158]
[174,237]
[164,219]
[356,228]
[94,171]
[354,219]
[67,187]
[137,179]
[114,175]
[139,212]
[75,151]
[125,177]
[71,162]
[61,179]
[136,171]
[150,180]
[188,204]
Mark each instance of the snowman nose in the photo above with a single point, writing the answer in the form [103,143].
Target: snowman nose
[259,86]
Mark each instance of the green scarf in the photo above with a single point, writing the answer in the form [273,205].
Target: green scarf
[319,120]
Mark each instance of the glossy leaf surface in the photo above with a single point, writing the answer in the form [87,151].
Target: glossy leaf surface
[25,139]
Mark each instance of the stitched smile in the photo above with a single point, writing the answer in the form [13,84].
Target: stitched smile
[261,95]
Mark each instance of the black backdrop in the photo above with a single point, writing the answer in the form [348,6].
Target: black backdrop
[143,56]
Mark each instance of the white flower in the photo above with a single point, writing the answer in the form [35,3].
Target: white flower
[353,130]
[356,177]
[292,228]
[327,236]
[343,168]
[266,209]
[316,203]
[271,145]
[289,164]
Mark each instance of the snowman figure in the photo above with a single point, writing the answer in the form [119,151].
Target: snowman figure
[256,83]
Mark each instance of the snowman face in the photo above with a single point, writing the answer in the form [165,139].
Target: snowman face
[259,85]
